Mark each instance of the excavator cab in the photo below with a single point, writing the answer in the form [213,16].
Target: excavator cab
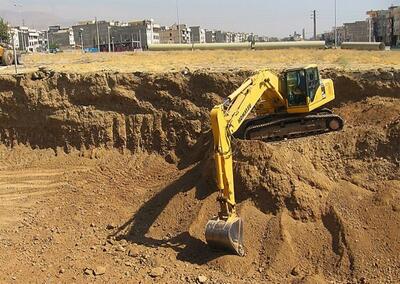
[296,88]
[301,86]
[305,91]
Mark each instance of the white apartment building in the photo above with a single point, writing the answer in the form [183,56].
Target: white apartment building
[33,40]
[28,39]
[153,32]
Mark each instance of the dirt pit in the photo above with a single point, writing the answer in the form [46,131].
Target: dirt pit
[108,177]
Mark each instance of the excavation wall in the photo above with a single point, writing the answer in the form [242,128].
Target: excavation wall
[165,113]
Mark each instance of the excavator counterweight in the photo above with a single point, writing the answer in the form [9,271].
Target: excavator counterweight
[287,106]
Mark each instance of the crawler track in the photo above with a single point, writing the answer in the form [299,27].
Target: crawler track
[287,126]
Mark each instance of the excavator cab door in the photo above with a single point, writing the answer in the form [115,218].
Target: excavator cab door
[313,82]
[296,88]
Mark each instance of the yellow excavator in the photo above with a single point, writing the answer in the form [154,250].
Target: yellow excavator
[7,56]
[287,106]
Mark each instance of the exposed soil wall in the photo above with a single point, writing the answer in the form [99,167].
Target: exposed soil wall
[165,113]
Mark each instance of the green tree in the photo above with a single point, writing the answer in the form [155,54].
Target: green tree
[4,31]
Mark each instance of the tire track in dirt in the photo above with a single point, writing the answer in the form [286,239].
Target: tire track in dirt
[21,189]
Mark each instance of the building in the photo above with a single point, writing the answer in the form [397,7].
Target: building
[116,36]
[380,21]
[34,40]
[175,34]
[197,35]
[210,36]
[341,35]
[169,35]
[395,26]
[27,39]
[91,34]
[220,36]
[42,41]
[355,32]
[239,37]
[227,37]
[126,37]
[62,38]
[152,31]
[386,25]
[359,31]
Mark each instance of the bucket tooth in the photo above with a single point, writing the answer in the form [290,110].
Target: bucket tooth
[228,235]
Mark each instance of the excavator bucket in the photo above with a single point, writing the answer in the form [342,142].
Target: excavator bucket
[227,234]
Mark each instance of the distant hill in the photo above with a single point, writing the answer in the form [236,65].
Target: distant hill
[33,19]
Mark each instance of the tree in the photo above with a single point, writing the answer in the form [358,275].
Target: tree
[4,31]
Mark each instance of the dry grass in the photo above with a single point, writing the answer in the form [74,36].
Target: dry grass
[214,60]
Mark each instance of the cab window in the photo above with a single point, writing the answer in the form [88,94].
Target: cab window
[312,82]
[296,87]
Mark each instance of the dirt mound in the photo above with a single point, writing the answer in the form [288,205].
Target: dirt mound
[322,208]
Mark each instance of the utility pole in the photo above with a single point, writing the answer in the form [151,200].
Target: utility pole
[15,53]
[81,36]
[140,40]
[48,42]
[23,39]
[18,6]
[109,39]
[336,33]
[98,35]
[370,28]
[179,25]
[315,24]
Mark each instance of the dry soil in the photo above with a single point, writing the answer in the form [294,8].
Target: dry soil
[108,177]
[220,60]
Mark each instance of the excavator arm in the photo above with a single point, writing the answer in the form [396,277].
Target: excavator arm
[295,114]
[226,230]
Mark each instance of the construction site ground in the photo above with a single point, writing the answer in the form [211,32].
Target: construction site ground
[220,60]
[107,176]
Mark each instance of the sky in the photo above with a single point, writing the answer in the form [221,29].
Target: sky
[263,17]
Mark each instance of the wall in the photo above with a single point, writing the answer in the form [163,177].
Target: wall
[171,34]
[89,34]
[210,36]
[127,38]
[63,38]
[357,31]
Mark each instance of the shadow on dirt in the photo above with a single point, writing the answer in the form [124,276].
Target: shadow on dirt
[189,248]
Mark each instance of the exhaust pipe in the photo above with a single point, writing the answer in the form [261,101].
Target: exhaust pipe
[228,235]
